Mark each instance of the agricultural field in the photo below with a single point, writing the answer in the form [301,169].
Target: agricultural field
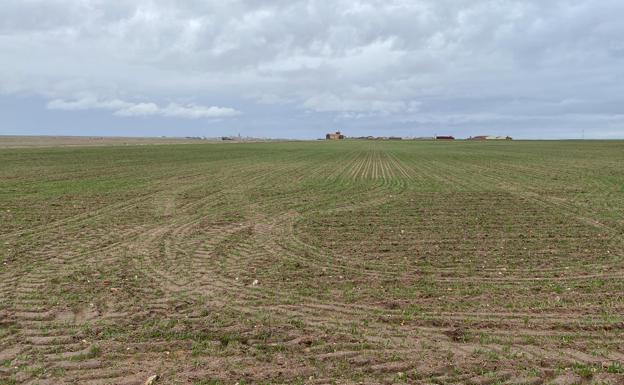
[9,141]
[319,262]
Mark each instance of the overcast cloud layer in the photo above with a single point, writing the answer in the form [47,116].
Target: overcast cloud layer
[294,68]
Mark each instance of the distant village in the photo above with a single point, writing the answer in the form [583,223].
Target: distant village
[339,136]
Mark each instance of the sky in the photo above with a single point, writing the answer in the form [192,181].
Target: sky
[301,68]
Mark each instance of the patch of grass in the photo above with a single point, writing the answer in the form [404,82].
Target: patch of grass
[585,370]
[615,368]
[93,352]
[208,382]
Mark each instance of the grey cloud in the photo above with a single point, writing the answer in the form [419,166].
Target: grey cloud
[404,60]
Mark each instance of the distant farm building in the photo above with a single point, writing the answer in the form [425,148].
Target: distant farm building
[444,137]
[490,137]
[335,136]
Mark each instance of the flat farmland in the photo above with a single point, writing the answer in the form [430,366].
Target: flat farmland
[313,262]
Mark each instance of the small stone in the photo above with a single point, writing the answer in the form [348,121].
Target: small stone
[255,282]
[151,380]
